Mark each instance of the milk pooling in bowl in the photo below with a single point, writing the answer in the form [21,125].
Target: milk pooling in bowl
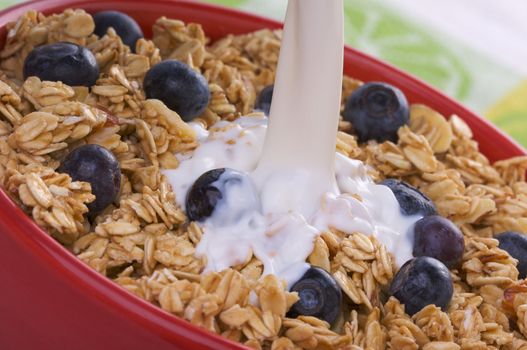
[300,186]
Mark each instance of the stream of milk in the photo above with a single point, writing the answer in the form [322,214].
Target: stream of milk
[302,186]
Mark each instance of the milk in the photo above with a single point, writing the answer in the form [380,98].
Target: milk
[300,143]
[298,185]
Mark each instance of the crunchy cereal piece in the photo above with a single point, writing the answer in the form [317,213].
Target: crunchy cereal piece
[446,189]
[434,323]
[312,333]
[417,149]
[472,171]
[402,332]
[177,40]
[114,92]
[460,128]
[148,49]
[347,145]
[202,311]
[388,159]
[154,206]
[479,207]
[235,316]
[155,109]
[176,252]
[108,137]
[108,49]
[283,344]
[496,326]
[261,47]
[362,266]
[484,263]
[53,127]
[219,104]
[57,203]
[467,320]
[10,104]
[238,86]
[432,125]
[512,170]
[46,93]
[93,251]
[320,255]
[441,345]
[230,286]
[511,212]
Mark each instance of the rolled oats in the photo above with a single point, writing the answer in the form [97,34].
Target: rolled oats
[145,243]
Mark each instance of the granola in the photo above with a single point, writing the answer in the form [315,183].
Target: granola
[144,242]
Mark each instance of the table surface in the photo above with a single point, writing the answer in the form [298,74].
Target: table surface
[475,51]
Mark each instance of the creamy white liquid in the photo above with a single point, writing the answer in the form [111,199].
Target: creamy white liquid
[300,145]
[283,240]
[297,186]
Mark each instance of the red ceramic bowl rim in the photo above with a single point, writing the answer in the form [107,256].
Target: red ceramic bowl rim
[80,274]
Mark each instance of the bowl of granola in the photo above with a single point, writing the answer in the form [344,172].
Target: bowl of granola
[107,255]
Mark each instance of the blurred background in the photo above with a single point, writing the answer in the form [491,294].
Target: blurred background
[475,51]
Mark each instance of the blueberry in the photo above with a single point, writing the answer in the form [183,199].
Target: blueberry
[420,282]
[439,238]
[515,244]
[179,87]
[232,189]
[69,63]
[376,111]
[98,166]
[411,200]
[264,99]
[124,26]
[319,294]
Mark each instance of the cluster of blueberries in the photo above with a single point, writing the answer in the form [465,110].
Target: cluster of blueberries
[173,82]
[376,111]
[424,280]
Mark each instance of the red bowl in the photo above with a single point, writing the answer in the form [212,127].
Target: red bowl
[51,300]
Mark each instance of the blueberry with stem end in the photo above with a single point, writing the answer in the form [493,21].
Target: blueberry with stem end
[319,296]
[377,110]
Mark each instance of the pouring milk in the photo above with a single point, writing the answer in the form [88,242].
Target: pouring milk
[302,186]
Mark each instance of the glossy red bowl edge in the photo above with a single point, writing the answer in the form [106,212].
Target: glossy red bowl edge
[51,300]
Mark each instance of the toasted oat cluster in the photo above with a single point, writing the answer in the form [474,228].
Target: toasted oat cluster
[144,242]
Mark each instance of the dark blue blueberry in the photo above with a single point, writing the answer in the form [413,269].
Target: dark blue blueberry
[264,99]
[69,63]
[319,294]
[420,282]
[124,26]
[231,188]
[411,200]
[98,166]
[376,111]
[439,238]
[179,87]
[515,243]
